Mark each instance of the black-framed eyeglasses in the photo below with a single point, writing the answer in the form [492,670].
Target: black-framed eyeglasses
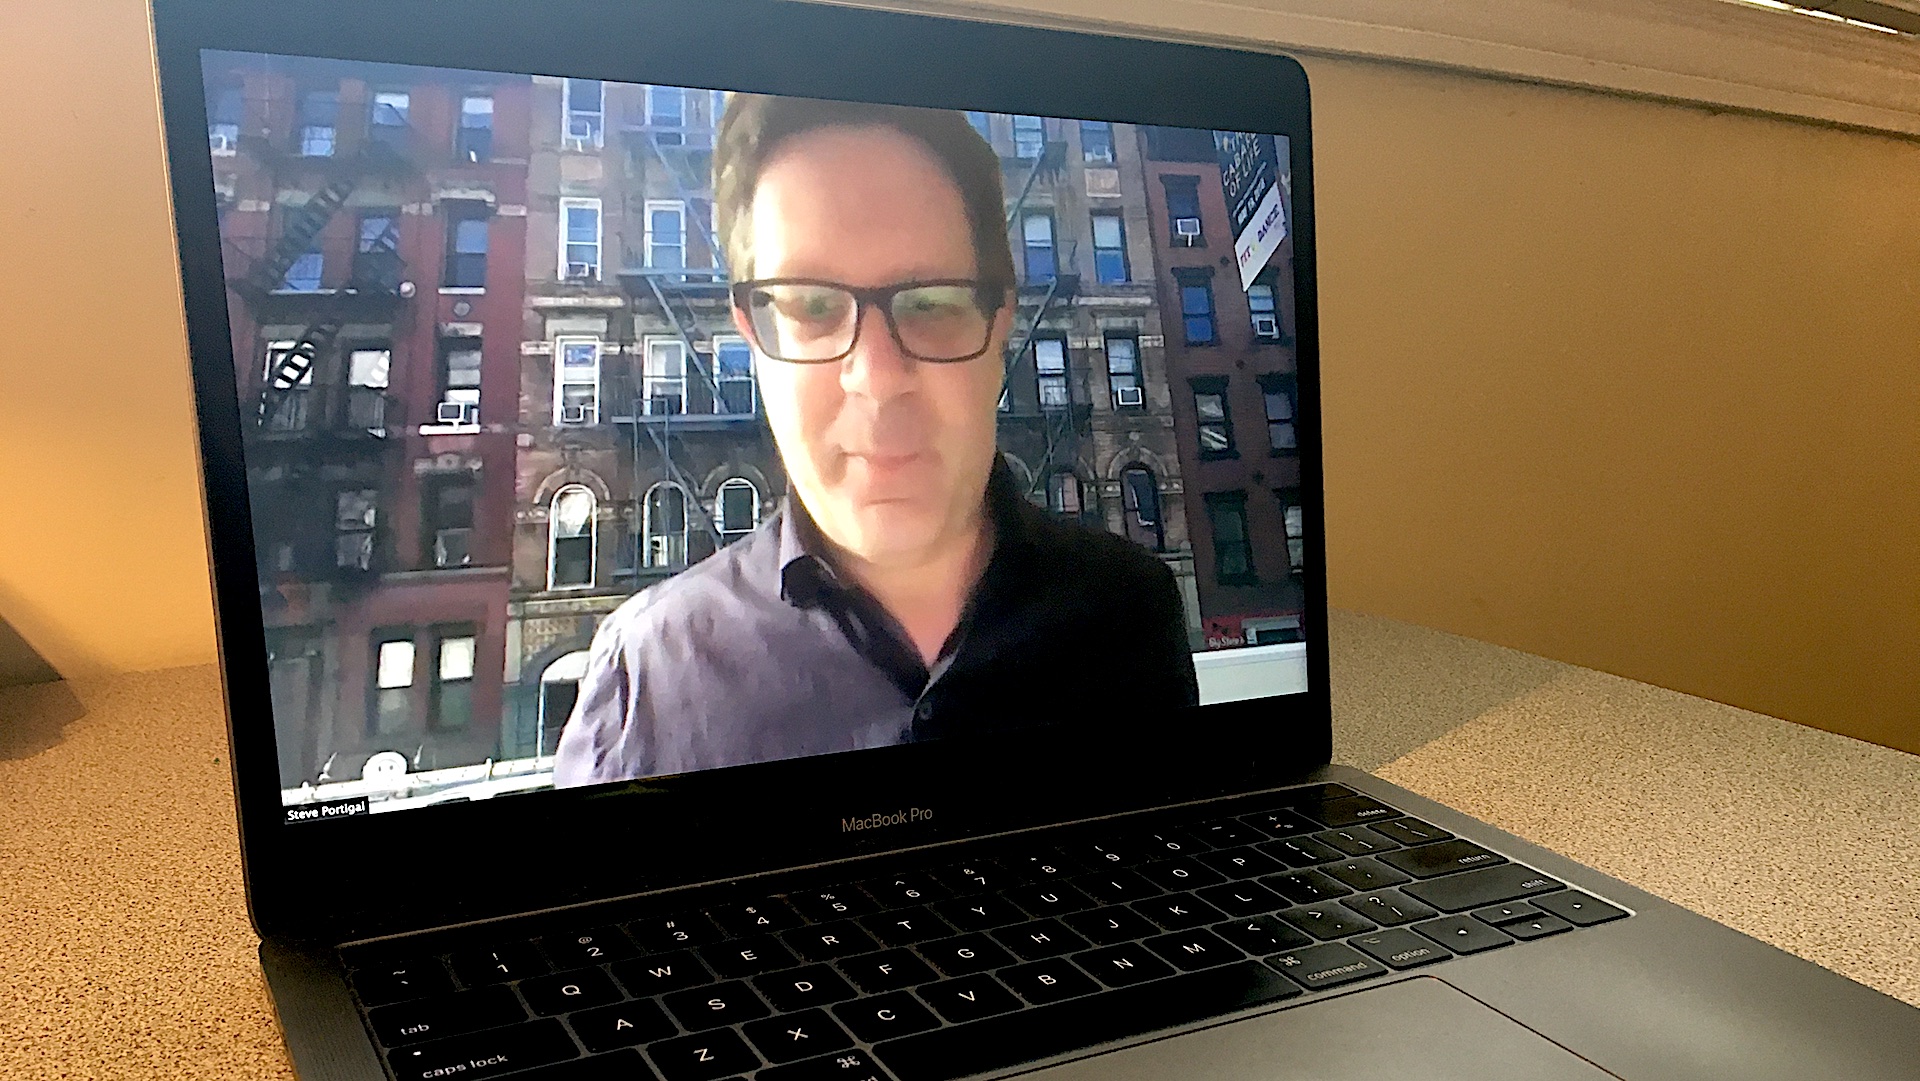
[811,321]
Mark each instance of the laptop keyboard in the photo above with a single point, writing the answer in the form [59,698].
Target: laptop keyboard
[1018,951]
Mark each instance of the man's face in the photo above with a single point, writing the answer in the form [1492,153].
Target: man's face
[890,455]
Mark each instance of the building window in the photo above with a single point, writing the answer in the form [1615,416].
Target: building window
[576,396]
[459,382]
[1266,315]
[291,413]
[1293,515]
[473,139]
[368,372]
[1096,142]
[733,364]
[1037,233]
[387,120]
[666,239]
[356,512]
[319,115]
[982,123]
[1232,553]
[376,258]
[1196,309]
[225,109]
[1123,373]
[667,108]
[1029,136]
[393,684]
[305,272]
[1109,249]
[664,377]
[1278,393]
[452,697]
[1213,424]
[449,521]
[1064,494]
[581,107]
[1140,500]
[665,513]
[1050,367]
[571,538]
[738,508]
[466,246]
[1183,209]
[580,242]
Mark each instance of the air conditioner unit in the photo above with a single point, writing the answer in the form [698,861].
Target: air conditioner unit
[573,414]
[1187,229]
[1266,326]
[222,142]
[1128,396]
[583,271]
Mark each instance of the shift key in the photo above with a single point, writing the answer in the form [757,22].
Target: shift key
[485,1054]
[1457,893]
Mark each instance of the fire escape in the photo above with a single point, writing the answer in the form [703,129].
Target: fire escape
[1060,425]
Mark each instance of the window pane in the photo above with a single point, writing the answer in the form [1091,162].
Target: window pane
[463,368]
[476,112]
[666,360]
[579,359]
[738,506]
[573,513]
[1038,229]
[1210,407]
[1122,356]
[583,95]
[1214,438]
[583,224]
[456,658]
[1050,355]
[1096,141]
[304,275]
[1199,329]
[1106,230]
[981,123]
[369,367]
[470,236]
[1260,299]
[1183,197]
[1282,436]
[1196,300]
[395,667]
[1142,497]
[667,105]
[1279,405]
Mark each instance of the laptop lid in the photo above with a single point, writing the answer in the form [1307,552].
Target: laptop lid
[553,492]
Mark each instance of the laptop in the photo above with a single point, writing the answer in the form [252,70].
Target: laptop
[767,540]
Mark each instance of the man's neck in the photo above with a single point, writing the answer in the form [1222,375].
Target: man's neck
[927,592]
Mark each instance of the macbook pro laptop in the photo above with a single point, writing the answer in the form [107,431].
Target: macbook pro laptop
[767,540]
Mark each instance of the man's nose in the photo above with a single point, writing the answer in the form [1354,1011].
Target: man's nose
[876,368]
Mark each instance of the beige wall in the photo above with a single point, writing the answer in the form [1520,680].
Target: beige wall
[1632,385]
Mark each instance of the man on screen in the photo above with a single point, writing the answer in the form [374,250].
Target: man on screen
[905,590]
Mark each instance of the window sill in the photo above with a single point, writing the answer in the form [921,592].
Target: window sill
[463,290]
[450,429]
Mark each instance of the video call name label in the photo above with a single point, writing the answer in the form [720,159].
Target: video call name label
[339,808]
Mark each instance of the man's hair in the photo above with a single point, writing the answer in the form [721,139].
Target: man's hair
[755,125]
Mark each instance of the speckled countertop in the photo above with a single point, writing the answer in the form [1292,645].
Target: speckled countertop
[125,950]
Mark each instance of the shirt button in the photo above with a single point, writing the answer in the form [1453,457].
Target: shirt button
[924,711]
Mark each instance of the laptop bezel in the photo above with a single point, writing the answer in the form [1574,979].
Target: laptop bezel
[382,874]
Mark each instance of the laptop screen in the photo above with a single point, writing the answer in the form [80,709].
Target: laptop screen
[603,431]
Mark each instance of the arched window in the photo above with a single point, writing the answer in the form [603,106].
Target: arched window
[570,538]
[665,525]
[559,688]
[1140,497]
[1063,494]
[737,508]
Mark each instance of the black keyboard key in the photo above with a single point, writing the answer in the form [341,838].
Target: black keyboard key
[1110,853]
[1180,874]
[755,918]
[979,913]
[1113,887]
[1007,1041]
[1040,939]
[623,1024]
[613,1066]
[1105,926]
[1262,935]
[1326,920]
[1043,865]
[795,1036]
[478,968]
[826,941]
[568,991]
[457,1014]
[1536,927]
[1579,909]
[1281,823]
[1388,908]
[1363,874]
[1457,893]
[906,926]
[1239,863]
[851,1065]
[964,955]
[662,934]
[968,998]
[897,891]
[1242,898]
[1399,948]
[802,988]
[1461,934]
[705,1056]
[592,947]
[1357,841]
[1301,851]
[885,1016]
[886,971]
[1123,965]
[401,979]
[1193,950]
[485,1054]
[1305,887]
[1050,899]
[1327,965]
[1506,913]
[1348,811]
[969,877]
[747,956]
[1443,858]
[1410,831]
[1223,833]
[661,973]
[1165,845]
[1047,981]
[1178,911]
[823,906]
[717,1004]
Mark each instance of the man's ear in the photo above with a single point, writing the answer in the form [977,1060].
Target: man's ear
[740,324]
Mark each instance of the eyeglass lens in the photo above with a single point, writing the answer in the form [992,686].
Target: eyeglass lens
[804,322]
